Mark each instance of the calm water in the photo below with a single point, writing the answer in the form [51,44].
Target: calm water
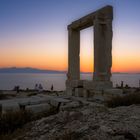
[8,81]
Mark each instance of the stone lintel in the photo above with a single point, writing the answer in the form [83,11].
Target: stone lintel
[88,20]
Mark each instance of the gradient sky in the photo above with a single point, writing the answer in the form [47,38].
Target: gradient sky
[33,33]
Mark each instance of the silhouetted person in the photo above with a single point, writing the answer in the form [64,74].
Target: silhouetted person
[52,88]
[17,89]
[27,89]
[40,88]
[36,86]
[126,86]
[14,89]
[117,85]
[121,84]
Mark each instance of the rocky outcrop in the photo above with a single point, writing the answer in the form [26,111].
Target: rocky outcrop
[91,121]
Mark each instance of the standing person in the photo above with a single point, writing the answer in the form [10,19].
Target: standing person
[36,87]
[121,84]
[17,89]
[52,88]
[40,88]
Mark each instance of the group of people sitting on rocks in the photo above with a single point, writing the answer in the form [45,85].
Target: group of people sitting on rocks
[122,85]
[39,87]
[17,89]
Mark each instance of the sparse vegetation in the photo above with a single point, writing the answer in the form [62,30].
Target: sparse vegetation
[124,100]
[32,94]
[6,95]
[3,96]
[12,122]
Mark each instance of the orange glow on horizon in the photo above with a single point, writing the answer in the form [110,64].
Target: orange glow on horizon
[46,54]
[59,62]
[119,65]
[35,34]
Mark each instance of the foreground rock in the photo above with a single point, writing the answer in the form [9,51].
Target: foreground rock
[91,121]
[36,104]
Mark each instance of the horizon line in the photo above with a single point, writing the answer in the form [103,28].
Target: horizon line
[63,70]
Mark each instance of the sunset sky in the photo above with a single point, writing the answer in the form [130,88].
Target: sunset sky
[33,33]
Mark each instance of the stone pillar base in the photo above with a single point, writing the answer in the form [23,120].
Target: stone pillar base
[97,85]
[74,83]
[82,88]
[79,92]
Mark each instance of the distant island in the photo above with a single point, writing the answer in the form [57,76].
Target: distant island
[28,70]
[35,70]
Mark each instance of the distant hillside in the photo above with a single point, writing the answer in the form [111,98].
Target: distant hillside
[34,70]
[27,70]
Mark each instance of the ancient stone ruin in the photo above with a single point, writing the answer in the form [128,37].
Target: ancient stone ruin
[101,20]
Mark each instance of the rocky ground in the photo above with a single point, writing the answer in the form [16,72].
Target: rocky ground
[78,118]
[86,120]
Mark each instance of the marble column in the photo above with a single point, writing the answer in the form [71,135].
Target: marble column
[102,49]
[73,54]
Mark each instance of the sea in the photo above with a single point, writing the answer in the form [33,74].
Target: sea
[27,80]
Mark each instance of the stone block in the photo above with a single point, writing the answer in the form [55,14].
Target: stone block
[35,100]
[24,101]
[70,105]
[40,108]
[113,92]
[97,85]
[79,92]
[10,92]
[69,91]
[56,100]
[86,93]
[11,106]
[74,83]
[97,92]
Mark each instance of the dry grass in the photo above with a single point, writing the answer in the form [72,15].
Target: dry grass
[32,94]
[124,100]
[6,95]
[2,96]
[12,120]
[11,123]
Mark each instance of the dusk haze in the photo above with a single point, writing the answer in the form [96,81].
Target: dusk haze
[33,33]
[69,69]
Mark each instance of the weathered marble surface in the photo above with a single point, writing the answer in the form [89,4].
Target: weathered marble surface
[35,103]
[94,121]
[102,22]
